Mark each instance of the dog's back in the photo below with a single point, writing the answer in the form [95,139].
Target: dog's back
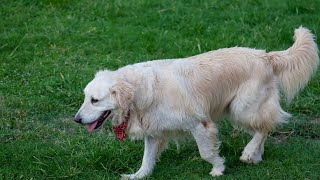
[218,77]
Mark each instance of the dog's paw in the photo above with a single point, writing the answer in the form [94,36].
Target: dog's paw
[251,157]
[216,172]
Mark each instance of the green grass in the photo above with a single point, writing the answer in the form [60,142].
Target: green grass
[50,49]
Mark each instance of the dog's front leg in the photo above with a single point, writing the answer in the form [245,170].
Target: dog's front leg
[151,150]
[205,135]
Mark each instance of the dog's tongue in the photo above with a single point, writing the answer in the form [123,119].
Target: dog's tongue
[90,127]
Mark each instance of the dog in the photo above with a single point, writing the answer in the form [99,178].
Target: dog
[161,100]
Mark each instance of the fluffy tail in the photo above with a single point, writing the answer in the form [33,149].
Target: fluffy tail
[296,65]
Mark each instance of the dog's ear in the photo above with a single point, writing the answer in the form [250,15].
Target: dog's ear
[123,93]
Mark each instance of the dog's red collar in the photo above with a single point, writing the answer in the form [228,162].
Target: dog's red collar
[120,130]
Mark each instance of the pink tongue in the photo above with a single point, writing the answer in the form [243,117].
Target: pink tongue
[90,127]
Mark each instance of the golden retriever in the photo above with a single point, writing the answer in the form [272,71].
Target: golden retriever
[163,99]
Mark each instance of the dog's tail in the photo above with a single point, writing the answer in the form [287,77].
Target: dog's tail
[296,65]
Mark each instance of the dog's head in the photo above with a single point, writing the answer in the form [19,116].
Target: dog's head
[105,95]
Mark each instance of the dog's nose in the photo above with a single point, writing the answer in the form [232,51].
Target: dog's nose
[77,118]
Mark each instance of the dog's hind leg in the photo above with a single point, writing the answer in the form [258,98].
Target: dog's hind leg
[205,135]
[152,149]
[257,110]
[254,150]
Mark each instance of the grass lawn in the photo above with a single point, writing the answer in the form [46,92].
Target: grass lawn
[50,49]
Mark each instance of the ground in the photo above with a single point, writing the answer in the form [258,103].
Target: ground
[50,49]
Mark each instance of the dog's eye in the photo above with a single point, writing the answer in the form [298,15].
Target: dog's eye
[93,100]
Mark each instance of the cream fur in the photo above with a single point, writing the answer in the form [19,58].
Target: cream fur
[174,97]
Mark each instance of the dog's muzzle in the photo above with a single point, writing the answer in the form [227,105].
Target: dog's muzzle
[78,119]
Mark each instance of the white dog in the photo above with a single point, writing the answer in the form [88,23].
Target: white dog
[159,100]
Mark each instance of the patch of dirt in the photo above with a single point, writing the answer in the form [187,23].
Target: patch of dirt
[235,133]
[281,137]
[67,124]
[315,121]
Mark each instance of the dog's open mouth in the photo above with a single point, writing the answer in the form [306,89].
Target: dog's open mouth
[97,123]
